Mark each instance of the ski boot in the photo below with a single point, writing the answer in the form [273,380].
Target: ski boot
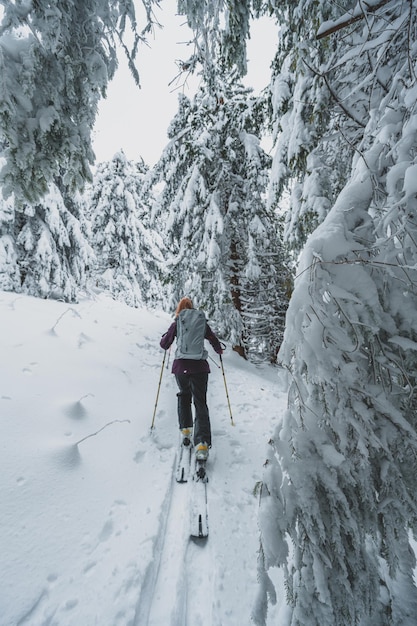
[201,452]
[186,436]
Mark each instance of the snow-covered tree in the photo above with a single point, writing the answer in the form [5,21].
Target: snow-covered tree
[312,154]
[44,249]
[9,269]
[222,238]
[266,290]
[56,60]
[221,30]
[339,497]
[129,252]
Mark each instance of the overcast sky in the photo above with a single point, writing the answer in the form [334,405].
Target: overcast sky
[136,120]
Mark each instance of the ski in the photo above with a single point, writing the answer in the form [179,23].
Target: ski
[198,502]
[182,473]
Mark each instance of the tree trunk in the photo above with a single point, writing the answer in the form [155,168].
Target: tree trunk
[235,292]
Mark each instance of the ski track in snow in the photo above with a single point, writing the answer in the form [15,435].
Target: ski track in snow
[160,595]
[179,582]
[94,529]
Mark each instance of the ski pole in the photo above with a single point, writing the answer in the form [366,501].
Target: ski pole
[227,393]
[169,354]
[159,387]
[211,359]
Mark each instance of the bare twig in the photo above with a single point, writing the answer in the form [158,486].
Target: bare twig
[99,430]
[70,310]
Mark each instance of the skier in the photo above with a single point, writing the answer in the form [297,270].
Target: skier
[191,371]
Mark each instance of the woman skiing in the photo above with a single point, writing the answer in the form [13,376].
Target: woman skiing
[191,371]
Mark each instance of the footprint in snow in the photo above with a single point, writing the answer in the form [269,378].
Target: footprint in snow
[219,432]
[52,578]
[139,456]
[70,604]
[83,339]
[89,567]
[106,531]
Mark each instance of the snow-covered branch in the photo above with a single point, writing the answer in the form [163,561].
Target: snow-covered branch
[359,12]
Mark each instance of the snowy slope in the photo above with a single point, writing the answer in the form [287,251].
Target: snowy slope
[93,528]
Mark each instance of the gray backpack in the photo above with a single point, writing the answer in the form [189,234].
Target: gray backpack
[191,328]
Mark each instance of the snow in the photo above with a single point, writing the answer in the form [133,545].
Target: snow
[410,181]
[357,11]
[93,528]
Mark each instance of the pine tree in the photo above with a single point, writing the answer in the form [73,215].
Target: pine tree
[46,247]
[129,253]
[312,156]
[9,269]
[220,32]
[212,205]
[56,60]
[266,289]
[340,481]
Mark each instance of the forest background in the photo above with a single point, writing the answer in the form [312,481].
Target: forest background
[307,258]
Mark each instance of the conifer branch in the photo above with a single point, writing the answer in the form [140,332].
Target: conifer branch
[358,261]
[334,95]
[358,13]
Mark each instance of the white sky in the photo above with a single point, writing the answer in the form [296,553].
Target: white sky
[136,120]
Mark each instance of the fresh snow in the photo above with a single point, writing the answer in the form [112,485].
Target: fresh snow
[94,530]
